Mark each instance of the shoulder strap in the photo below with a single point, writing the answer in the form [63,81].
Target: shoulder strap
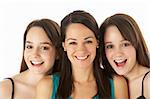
[55,78]
[12,82]
[143,83]
[112,88]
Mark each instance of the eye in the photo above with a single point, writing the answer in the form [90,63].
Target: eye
[110,46]
[45,48]
[72,43]
[89,41]
[126,44]
[29,46]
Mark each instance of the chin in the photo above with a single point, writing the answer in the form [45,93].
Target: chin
[120,73]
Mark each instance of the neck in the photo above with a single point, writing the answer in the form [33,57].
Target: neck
[31,78]
[136,72]
[81,76]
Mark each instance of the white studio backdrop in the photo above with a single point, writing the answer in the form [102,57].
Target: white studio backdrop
[16,15]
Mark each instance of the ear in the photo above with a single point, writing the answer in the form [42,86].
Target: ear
[63,44]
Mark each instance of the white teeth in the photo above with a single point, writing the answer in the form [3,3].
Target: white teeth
[119,61]
[81,57]
[35,62]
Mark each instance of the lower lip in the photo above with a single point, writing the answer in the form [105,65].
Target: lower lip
[37,65]
[121,64]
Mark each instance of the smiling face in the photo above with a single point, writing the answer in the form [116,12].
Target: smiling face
[39,53]
[119,52]
[80,45]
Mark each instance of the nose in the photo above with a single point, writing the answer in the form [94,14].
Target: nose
[118,52]
[35,52]
[81,47]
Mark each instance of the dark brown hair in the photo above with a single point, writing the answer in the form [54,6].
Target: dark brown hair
[52,30]
[66,80]
[131,32]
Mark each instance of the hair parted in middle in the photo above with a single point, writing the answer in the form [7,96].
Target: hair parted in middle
[66,85]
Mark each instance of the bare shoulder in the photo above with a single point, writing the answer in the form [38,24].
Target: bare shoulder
[44,88]
[147,80]
[147,85]
[46,80]
[45,83]
[5,89]
[121,87]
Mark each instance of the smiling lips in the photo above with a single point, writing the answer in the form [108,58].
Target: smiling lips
[82,57]
[35,63]
[120,63]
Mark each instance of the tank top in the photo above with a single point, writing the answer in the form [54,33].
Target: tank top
[12,82]
[142,93]
[56,77]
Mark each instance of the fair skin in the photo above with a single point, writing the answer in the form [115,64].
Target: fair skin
[121,54]
[80,45]
[39,56]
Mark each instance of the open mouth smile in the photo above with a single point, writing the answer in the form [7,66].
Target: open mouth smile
[82,57]
[36,63]
[120,63]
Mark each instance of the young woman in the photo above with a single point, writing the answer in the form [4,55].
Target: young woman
[125,51]
[41,41]
[81,76]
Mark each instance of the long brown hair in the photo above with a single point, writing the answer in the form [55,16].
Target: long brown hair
[52,30]
[66,80]
[131,32]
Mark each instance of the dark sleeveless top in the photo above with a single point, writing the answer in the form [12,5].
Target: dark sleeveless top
[142,94]
[12,82]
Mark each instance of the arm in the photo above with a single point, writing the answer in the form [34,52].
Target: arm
[44,88]
[5,89]
[121,88]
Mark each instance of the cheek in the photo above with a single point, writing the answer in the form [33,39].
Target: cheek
[131,53]
[49,61]
[108,54]
[93,51]
[25,55]
[70,50]
[50,56]
[26,59]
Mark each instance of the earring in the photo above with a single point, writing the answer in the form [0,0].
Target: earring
[65,50]
[97,46]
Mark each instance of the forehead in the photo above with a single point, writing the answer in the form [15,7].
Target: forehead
[112,32]
[78,30]
[37,33]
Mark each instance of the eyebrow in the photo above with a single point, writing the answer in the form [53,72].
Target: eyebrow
[107,42]
[49,43]
[120,41]
[88,37]
[28,42]
[124,40]
[76,39]
[71,39]
[46,43]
